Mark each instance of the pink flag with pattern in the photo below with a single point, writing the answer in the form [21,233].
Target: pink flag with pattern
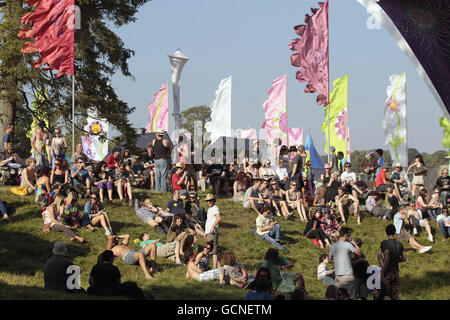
[312,53]
[295,136]
[159,110]
[275,112]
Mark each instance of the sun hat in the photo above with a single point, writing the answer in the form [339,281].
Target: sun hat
[59,248]
[160,131]
[179,165]
[398,164]
[210,196]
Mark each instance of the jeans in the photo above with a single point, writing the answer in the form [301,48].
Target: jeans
[161,171]
[445,231]
[444,195]
[2,208]
[274,241]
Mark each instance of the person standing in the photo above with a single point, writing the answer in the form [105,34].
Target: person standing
[39,143]
[333,164]
[212,225]
[392,253]
[340,254]
[296,167]
[161,149]
[8,136]
[58,147]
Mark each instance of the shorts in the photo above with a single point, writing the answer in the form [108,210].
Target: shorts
[215,238]
[166,250]
[348,282]
[210,275]
[404,235]
[418,180]
[128,258]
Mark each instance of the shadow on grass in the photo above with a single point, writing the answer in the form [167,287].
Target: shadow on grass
[23,253]
[226,225]
[187,291]
[431,280]
[117,226]
[32,211]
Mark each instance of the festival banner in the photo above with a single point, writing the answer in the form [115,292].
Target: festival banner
[247,134]
[220,124]
[420,29]
[316,160]
[338,116]
[394,122]
[39,115]
[348,145]
[95,145]
[295,136]
[311,53]
[54,34]
[275,123]
[159,110]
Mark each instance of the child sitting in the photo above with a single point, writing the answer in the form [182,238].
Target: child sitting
[323,274]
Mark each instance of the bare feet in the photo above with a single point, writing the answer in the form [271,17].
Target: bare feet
[149,277]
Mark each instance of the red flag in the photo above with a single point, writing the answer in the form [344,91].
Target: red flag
[54,33]
[312,53]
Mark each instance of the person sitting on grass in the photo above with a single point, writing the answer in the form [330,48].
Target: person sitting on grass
[29,176]
[94,213]
[50,216]
[323,274]
[277,197]
[400,218]
[294,200]
[268,228]
[179,179]
[178,231]
[194,211]
[133,257]
[80,178]
[253,198]
[194,272]
[314,231]
[349,182]
[328,223]
[382,183]
[235,274]
[122,182]
[153,216]
[276,263]
[105,278]
[103,180]
[71,216]
[202,260]
[343,203]
[43,184]
[239,187]
[374,208]
[261,290]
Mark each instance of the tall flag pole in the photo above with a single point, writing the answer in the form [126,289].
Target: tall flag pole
[420,29]
[394,122]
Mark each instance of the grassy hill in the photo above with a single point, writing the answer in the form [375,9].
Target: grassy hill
[24,248]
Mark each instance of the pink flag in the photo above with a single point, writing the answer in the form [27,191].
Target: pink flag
[312,53]
[247,134]
[295,136]
[159,110]
[348,144]
[275,112]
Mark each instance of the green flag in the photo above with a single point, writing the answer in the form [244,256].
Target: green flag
[338,116]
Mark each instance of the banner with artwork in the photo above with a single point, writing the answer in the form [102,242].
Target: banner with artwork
[95,145]
[295,136]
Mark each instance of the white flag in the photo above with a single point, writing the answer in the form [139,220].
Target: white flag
[394,123]
[220,124]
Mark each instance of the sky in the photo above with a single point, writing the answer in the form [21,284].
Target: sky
[248,39]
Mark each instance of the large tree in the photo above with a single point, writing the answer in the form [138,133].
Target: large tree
[99,53]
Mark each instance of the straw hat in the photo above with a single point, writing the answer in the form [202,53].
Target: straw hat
[59,248]
[210,196]
[179,165]
[160,131]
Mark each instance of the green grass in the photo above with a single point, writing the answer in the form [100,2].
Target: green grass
[24,248]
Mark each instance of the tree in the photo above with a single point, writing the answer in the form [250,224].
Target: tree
[198,113]
[99,54]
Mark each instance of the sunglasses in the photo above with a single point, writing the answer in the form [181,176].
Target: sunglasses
[293,185]
[93,198]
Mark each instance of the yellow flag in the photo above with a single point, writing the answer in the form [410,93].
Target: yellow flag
[338,116]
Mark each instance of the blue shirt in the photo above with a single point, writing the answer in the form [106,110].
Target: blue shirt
[380,164]
[81,177]
[89,210]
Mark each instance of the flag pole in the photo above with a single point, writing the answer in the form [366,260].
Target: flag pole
[73,114]
[287,121]
[328,66]
[406,122]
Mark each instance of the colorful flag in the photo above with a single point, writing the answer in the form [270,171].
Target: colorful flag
[338,116]
[420,29]
[394,122]
[295,136]
[95,145]
[247,134]
[348,144]
[40,115]
[220,124]
[54,34]
[159,110]
[316,160]
[312,53]
[275,122]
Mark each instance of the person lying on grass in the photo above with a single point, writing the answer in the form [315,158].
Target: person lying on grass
[170,250]
[133,257]
[194,272]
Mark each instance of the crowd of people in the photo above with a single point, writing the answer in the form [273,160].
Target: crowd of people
[272,189]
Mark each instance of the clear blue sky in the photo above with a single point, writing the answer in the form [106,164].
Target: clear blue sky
[249,40]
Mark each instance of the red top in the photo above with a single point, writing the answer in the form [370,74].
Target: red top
[111,161]
[175,179]
[381,177]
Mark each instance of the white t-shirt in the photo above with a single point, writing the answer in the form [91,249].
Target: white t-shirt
[348,177]
[261,221]
[281,173]
[446,219]
[211,218]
